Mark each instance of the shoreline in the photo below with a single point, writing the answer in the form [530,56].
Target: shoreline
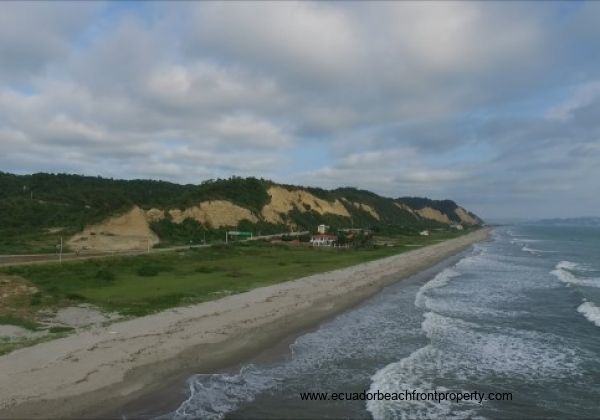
[84,374]
[170,396]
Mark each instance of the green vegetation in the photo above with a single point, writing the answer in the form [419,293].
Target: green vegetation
[60,329]
[7,346]
[105,275]
[447,207]
[192,231]
[19,322]
[144,284]
[37,210]
[139,285]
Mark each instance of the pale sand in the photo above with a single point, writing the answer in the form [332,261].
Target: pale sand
[88,373]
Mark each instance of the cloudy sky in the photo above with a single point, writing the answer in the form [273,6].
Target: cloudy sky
[496,105]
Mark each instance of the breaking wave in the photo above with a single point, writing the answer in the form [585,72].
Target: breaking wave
[566,271]
[591,312]
[461,353]
[440,280]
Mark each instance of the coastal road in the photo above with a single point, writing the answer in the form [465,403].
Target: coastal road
[6,260]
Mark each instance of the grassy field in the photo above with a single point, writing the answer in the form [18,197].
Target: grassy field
[140,285]
[32,242]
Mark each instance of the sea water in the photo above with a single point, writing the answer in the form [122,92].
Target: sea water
[519,314]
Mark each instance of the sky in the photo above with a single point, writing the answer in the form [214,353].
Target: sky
[494,105]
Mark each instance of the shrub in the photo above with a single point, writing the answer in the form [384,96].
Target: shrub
[105,275]
[148,271]
[222,247]
[236,273]
[206,269]
[59,329]
[19,322]
[35,299]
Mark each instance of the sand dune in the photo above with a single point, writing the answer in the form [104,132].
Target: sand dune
[433,214]
[214,213]
[366,208]
[465,217]
[126,232]
[283,201]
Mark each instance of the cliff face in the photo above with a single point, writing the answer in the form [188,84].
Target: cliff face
[285,203]
[106,214]
[444,211]
[125,232]
[284,210]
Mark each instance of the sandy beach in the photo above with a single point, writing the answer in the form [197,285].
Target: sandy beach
[84,375]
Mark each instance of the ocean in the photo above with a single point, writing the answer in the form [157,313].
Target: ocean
[516,316]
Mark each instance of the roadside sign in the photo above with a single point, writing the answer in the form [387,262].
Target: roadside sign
[238,233]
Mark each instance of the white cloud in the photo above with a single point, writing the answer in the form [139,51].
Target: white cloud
[35,35]
[394,172]
[207,87]
[386,95]
[249,130]
[305,39]
[460,36]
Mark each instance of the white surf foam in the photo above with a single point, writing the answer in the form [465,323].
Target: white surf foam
[591,312]
[488,263]
[465,352]
[523,241]
[408,374]
[535,251]
[440,280]
[565,272]
[530,250]
[504,279]
[222,393]
[514,235]
[470,349]
[365,331]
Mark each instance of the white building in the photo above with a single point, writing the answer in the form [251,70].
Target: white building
[424,233]
[322,229]
[323,240]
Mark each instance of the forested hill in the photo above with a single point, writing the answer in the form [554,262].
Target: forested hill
[36,208]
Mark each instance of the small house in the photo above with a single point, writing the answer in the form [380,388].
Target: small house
[323,240]
[322,229]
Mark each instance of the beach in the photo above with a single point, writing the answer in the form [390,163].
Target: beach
[87,374]
[475,323]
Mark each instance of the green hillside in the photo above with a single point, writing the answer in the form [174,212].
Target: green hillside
[35,210]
